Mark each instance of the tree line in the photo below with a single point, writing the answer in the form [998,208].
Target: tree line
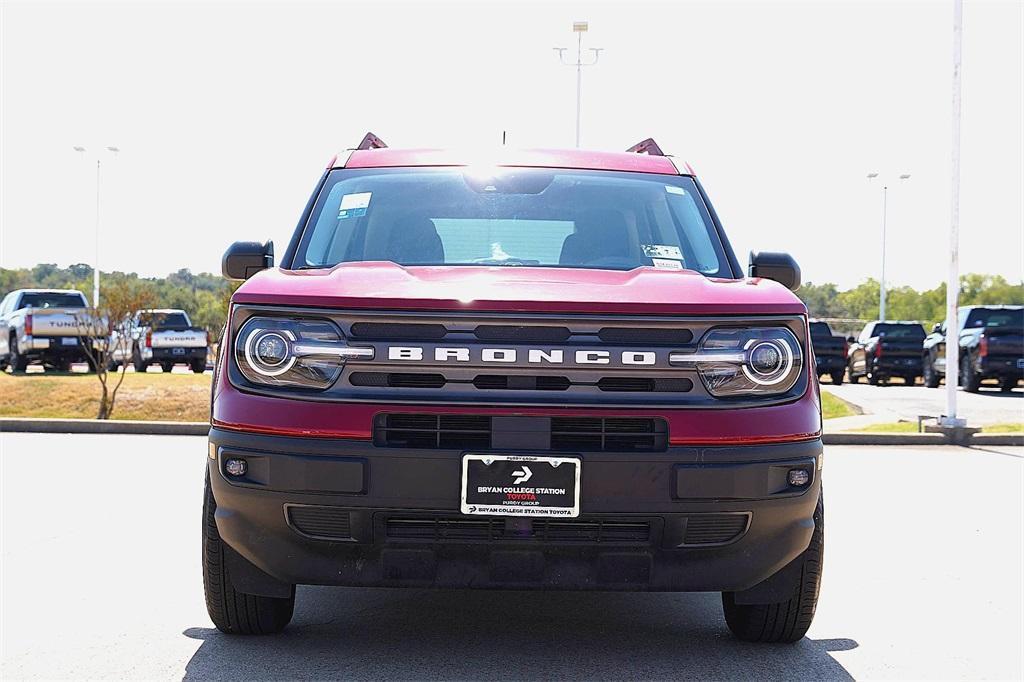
[205,296]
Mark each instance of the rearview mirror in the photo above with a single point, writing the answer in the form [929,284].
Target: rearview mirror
[777,266]
[242,260]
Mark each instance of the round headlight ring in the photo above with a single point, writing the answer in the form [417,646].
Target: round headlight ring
[775,376]
[257,364]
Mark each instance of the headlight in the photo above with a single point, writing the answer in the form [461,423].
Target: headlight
[300,353]
[750,361]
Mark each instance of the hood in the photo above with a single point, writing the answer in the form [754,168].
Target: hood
[644,291]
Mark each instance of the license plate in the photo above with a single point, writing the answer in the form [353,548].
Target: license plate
[69,342]
[177,351]
[521,485]
[1020,363]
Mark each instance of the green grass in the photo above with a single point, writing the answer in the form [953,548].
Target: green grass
[147,397]
[833,407]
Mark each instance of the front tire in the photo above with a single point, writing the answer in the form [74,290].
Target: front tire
[785,621]
[234,612]
[969,379]
[931,377]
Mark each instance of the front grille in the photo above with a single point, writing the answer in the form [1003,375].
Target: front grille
[610,434]
[456,529]
[667,336]
[391,331]
[519,382]
[715,529]
[325,523]
[567,434]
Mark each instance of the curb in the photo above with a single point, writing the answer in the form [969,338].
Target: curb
[114,426]
[107,426]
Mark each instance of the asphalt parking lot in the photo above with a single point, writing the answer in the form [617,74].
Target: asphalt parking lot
[101,579]
[897,401]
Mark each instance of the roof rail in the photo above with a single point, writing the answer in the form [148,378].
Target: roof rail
[648,146]
[371,141]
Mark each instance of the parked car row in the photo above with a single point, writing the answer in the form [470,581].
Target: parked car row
[55,328]
[991,348]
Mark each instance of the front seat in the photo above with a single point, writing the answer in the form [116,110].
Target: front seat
[414,240]
[600,233]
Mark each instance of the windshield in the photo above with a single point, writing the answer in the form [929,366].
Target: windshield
[996,317]
[899,331]
[513,217]
[52,300]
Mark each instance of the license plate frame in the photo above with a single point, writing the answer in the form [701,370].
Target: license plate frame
[534,480]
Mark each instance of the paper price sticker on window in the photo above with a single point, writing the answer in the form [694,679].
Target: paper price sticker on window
[354,205]
[662,251]
[666,264]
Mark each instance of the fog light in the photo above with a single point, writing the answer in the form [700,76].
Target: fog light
[237,467]
[797,477]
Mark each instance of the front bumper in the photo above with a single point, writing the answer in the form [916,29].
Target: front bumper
[343,512]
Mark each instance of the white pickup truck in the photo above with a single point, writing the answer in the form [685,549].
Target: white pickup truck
[162,337]
[50,326]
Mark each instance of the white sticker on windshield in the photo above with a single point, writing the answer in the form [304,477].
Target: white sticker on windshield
[354,205]
[666,264]
[672,189]
[662,251]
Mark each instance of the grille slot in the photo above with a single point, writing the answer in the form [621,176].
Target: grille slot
[455,529]
[327,523]
[715,529]
[467,432]
[588,434]
[522,333]
[455,431]
[397,380]
[398,331]
[522,383]
[644,384]
[647,337]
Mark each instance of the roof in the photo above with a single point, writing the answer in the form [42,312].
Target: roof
[48,291]
[502,156]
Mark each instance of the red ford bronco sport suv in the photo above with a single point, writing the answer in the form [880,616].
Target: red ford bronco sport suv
[534,370]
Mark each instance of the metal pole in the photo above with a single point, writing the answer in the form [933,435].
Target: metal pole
[96,262]
[881,295]
[953,283]
[579,82]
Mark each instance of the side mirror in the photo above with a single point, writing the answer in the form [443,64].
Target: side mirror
[936,328]
[777,266]
[850,339]
[242,260]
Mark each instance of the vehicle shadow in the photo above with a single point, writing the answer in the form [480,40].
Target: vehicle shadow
[416,634]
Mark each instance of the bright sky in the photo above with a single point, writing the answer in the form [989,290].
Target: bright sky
[226,114]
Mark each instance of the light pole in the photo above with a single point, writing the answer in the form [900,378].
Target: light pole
[885,201]
[96,262]
[579,27]
[950,420]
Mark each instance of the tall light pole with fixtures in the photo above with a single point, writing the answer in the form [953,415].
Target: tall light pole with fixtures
[579,27]
[96,262]
[885,201]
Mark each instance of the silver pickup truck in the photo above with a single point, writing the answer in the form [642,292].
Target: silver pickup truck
[50,326]
[162,337]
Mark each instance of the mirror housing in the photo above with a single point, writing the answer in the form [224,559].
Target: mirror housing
[777,266]
[936,328]
[242,260]
[850,339]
